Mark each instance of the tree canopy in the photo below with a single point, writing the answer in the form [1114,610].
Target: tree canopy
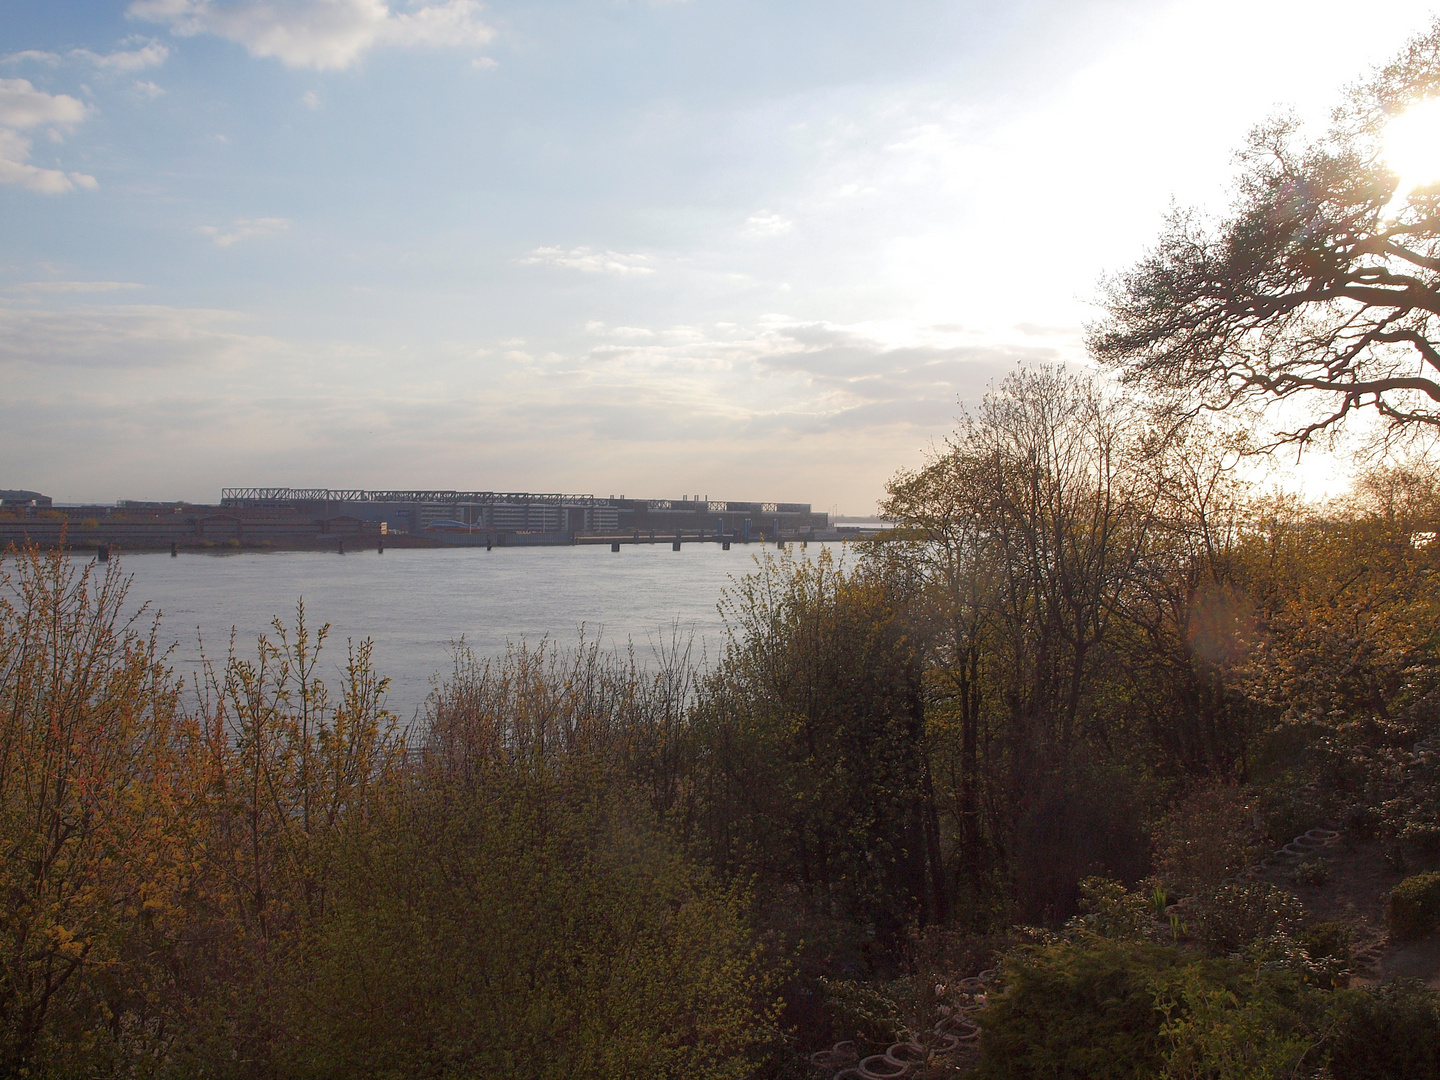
[1320,286]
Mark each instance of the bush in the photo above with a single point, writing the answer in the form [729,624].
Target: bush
[1389,1032]
[1237,914]
[1327,944]
[93,860]
[1206,838]
[537,926]
[1232,1020]
[1414,907]
[1109,910]
[1082,1009]
[1312,872]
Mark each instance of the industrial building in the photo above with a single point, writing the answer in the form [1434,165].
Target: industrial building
[328,519]
[445,513]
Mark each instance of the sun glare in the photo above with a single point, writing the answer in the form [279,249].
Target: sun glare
[1412,146]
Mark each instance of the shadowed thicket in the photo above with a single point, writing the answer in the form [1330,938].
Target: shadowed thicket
[274,883]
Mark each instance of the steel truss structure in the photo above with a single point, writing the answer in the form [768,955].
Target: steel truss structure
[258,496]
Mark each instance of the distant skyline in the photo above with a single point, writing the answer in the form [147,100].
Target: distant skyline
[750,250]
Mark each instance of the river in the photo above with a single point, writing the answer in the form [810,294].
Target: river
[414,603]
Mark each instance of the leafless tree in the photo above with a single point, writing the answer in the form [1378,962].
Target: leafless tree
[1319,287]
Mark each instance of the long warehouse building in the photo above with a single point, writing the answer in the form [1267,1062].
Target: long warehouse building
[420,512]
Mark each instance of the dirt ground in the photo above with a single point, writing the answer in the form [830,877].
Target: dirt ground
[1360,880]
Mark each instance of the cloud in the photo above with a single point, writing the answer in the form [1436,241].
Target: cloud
[324,35]
[310,99]
[244,229]
[870,383]
[36,56]
[150,54]
[789,376]
[759,226]
[73,286]
[120,337]
[22,107]
[590,262]
[148,89]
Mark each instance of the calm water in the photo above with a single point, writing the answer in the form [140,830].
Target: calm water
[415,603]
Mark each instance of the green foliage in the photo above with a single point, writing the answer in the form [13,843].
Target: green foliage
[1327,946]
[1239,913]
[1312,872]
[1413,908]
[1110,911]
[865,1012]
[95,788]
[816,783]
[1389,1033]
[1087,1007]
[1225,1023]
[1206,838]
[1084,1010]
[534,927]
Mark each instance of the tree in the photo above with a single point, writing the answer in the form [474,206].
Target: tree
[816,778]
[1028,531]
[1320,287]
[942,536]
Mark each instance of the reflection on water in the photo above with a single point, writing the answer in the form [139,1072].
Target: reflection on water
[414,603]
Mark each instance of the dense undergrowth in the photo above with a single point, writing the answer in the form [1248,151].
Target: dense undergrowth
[1091,673]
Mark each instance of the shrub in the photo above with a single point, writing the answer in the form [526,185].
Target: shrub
[537,926]
[1328,946]
[1228,1020]
[1077,1009]
[1205,839]
[92,856]
[1390,1031]
[1110,911]
[1414,907]
[1234,915]
[1312,872]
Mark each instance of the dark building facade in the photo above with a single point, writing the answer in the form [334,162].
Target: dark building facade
[420,512]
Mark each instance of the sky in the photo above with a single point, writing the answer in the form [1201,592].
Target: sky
[740,250]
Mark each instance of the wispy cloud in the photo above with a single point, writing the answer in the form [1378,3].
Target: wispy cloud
[144,53]
[244,229]
[31,56]
[759,226]
[73,286]
[320,34]
[590,262]
[24,108]
[120,337]
[149,54]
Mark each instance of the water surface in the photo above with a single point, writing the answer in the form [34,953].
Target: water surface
[413,603]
